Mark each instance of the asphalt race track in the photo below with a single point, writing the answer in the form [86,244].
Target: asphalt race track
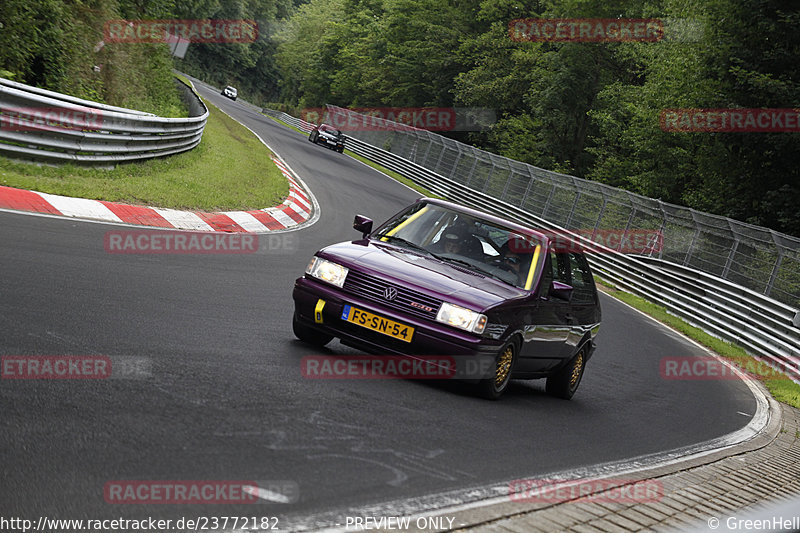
[224,398]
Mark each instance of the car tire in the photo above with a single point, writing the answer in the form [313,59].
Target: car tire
[309,335]
[494,387]
[340,150]
[312,138]
[564,382]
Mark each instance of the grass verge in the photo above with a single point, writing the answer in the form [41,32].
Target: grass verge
[183,78]
[229,170]
[780,386]
[391,173]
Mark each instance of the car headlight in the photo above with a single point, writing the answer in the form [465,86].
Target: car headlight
[328,271]
[461,317]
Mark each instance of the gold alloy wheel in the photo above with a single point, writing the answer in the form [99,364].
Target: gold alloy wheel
[577,368]
[504,365]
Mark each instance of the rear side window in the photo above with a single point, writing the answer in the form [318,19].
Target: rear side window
[560,268]
[582,281]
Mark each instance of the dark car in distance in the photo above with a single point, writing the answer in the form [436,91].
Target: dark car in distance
[327,136]
[439,278]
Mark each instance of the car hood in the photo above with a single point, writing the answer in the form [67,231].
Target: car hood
[445,281]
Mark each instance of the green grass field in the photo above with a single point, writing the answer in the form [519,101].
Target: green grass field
[230,170]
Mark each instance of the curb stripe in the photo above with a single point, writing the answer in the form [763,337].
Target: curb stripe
[22,200]
[220,222]
[137,214]
[299,198]
[183,219]
[302,200]
[295,209]
[266,219]
[291,213]
[299,210]
[246,221]
[281,217]
[80,207]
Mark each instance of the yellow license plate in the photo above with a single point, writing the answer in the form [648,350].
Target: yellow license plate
[377,323]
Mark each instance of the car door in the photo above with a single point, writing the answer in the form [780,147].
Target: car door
[548,333]
[584,314]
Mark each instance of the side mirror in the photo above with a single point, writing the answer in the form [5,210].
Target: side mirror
[561,291]
[363,224]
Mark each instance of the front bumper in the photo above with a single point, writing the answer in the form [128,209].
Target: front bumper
[474,356]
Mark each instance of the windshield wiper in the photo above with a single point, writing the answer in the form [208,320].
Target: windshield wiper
[443,259]
[473,266]
[410,244]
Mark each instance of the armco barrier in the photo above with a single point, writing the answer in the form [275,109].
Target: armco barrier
[764,326]
[112,135]
[289,119]
[755,257]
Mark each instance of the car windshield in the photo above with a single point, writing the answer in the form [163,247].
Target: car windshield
[467,241]
[329,129]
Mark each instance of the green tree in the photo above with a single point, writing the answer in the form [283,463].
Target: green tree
[306,52]
[744,56]
[248,66]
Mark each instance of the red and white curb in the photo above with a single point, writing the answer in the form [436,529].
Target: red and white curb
[295,210]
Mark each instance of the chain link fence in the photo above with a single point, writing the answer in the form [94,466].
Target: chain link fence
[754,257]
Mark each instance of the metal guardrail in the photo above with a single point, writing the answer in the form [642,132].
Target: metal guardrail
[767,328]
[45,126]
[289,119]
[751,256]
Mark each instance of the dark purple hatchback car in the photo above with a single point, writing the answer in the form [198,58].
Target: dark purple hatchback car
[441,279]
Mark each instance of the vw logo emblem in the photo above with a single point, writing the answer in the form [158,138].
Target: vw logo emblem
[390,293]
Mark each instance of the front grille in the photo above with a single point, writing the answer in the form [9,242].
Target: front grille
[372,288]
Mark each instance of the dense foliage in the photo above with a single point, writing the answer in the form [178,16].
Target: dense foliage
[250,67]
[588,109]
[57,45]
